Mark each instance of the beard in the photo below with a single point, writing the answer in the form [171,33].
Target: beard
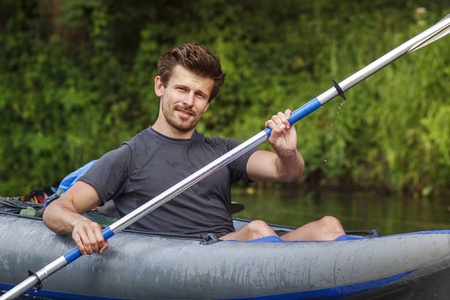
[177,122]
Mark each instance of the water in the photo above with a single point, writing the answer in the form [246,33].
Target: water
[290,204]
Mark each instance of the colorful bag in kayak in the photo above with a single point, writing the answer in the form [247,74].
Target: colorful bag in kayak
[68,181]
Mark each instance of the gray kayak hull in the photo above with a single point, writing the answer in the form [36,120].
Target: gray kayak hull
[143,266]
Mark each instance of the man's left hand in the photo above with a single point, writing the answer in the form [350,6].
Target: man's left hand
[283,138]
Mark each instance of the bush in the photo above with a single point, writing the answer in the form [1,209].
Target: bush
[77,80]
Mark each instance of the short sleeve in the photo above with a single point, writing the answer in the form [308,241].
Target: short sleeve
[239,166]
[109,174]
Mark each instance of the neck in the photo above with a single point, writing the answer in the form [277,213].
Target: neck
[166,129]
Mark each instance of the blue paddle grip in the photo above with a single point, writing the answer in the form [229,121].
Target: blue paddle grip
[107,233]
[72,255]
[75,253]
[300,112]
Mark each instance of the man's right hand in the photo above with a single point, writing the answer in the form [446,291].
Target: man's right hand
[65,216]
[89,238]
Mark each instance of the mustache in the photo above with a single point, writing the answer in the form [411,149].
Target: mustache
[184,108]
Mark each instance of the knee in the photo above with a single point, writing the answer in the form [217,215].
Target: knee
[331,225]
[257,225]
[260,228]
[330,221]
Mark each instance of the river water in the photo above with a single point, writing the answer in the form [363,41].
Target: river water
[289,204]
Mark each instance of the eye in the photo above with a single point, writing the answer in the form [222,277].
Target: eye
[201,95]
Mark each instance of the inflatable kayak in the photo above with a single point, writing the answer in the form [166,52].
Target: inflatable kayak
[141,265]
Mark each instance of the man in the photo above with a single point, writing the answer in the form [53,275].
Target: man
[167,152]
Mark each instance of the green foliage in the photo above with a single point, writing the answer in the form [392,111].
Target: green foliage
[76,79]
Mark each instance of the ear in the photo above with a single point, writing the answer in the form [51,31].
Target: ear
[159,87]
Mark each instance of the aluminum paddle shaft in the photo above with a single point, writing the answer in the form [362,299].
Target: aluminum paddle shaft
[426,37]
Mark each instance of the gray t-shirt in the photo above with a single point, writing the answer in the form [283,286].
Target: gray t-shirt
[150,163]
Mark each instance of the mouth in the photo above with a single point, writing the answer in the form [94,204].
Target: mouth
[184,113]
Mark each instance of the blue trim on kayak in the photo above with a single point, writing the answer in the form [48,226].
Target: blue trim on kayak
[329,293]
[276,239]
[44,294]
[442,231]
[336,292]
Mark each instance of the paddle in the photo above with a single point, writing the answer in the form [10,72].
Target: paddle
[426,37]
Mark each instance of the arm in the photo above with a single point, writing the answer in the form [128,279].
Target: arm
[64,216]
[286,164]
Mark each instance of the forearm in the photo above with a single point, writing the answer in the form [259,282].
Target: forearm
[268,166]
[64,216]
[61,219]
[290,166]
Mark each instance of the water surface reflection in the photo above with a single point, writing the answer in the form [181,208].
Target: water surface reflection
[281,204]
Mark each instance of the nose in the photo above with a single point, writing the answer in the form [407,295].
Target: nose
[189,99]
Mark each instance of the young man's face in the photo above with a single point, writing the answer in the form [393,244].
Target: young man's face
[184,99]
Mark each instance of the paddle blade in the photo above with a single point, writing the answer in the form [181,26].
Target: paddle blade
[445,30]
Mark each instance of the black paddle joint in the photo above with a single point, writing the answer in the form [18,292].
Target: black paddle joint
[38,286]
[339,90]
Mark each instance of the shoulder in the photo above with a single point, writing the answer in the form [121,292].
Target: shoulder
[142,142]
[141,137]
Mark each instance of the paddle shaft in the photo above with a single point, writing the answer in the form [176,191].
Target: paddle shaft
[433,33]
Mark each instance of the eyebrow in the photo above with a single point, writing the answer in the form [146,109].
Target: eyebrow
[203,93]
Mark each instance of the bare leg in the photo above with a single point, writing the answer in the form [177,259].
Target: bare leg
[254,230]
[326,229]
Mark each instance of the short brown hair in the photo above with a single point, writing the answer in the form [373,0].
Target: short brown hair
[197,59]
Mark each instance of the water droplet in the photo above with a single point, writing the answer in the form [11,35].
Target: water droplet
[324,160]
[331,137]
[337,112]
